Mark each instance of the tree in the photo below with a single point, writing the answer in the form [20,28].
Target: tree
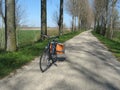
[81,12]
[10,25]
[43,18]
[71,8]
[116,19]
[111,19]
[84,14]
[4,21]
[56,17]
[98,9]
[104,17]
[61,18]
[101,13]
[20,14]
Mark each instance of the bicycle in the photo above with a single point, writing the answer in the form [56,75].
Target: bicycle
[50,52]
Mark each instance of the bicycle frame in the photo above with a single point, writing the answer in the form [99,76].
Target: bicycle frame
[49,55]
[52,49]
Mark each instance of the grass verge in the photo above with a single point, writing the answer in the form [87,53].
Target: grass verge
[112,45]
[9,62]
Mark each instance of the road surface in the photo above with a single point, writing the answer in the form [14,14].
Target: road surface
[88,66]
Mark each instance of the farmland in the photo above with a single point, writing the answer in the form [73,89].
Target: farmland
[26,37]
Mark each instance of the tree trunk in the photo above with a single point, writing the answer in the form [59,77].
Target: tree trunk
[43,18]
[10,25]
[61,18]
[106,20]
[73,23]
[79,23]
[3,20]
[111,28]
[102,25]
[111,20]
[95,23]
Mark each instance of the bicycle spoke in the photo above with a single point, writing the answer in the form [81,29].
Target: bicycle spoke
[44,62]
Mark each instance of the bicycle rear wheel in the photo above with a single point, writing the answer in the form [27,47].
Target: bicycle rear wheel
[44,61]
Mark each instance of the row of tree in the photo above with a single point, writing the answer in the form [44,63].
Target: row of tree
[103,15]
[10,21]
[44,18]
[81,12]
[106,17]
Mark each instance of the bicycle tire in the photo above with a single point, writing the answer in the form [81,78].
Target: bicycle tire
[44,61]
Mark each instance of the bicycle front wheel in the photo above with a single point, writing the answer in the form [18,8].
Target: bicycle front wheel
[44,61]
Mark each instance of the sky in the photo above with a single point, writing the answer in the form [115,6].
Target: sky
[33,13]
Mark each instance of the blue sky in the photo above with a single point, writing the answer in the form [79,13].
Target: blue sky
[33,12]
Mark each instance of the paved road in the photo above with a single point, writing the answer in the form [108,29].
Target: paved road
[88,66]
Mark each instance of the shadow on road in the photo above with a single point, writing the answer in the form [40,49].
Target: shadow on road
[96,50]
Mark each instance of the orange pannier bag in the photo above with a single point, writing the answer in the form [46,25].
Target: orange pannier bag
[60,48]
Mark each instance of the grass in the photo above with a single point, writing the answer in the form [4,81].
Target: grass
[24,37]
[116,36]
[27,37]
[113,46]
[55,32]
[9,62]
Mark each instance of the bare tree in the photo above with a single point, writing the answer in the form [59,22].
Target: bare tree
[116,19]
[101,13]
[81,11]
[56,17]
[20,13]
[1,10]
[10,25]
[71,8]
[61,18]
[111,19]
[2,14]
[43,18]
[105,17]
[86,14]
[97,11]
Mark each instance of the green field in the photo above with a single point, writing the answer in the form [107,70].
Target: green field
[26,37]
